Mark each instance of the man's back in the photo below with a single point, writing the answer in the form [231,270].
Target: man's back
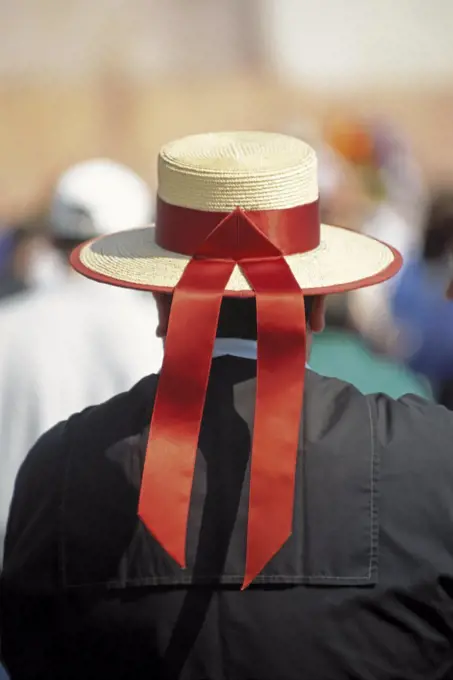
[362,589]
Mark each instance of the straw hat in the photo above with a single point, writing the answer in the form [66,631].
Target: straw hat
[235,211]
[202,179]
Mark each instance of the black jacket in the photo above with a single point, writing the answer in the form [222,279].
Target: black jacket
[362,589]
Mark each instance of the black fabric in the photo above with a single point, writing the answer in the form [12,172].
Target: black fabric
[445,394]
[362,589]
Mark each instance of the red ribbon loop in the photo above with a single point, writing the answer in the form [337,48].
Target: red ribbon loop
[175,426]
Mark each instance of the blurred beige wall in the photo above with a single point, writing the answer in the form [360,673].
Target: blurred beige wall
[330,45]
[50,41]
[117,78]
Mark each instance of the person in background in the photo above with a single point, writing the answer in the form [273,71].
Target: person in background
[9,282]
[403,182]
[66,347]
[343,354]
[340,351]
[46,268]
[17,247]
[422,315]
[389,207]
[26,263]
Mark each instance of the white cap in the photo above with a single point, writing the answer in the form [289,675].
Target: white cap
[98,197]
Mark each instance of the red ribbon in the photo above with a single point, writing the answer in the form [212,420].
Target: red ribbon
[293,230]
[175,426]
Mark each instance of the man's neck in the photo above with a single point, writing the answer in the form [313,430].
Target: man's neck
[239,347]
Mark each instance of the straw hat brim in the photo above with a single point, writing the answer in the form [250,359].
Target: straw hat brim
[344,260]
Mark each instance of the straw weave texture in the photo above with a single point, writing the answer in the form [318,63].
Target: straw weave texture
[219,172]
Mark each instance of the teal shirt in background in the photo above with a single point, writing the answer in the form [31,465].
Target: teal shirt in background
[343,355]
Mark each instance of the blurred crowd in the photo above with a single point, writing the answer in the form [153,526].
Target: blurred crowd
[370,180]
[67,343]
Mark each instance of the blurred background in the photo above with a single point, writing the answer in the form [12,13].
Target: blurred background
[88,94]
[369,85]
[118,78]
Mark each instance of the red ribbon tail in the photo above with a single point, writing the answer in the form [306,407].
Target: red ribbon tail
[178,409]
[279,399]
[173,440]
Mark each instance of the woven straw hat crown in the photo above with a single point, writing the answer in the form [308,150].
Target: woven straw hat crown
[219,172]
[204,178]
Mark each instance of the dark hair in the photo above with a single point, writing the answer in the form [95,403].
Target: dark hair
[37,224]
[66,245]
[439,227]
[237,318]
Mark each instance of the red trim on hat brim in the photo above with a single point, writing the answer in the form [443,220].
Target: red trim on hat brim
[387,273]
